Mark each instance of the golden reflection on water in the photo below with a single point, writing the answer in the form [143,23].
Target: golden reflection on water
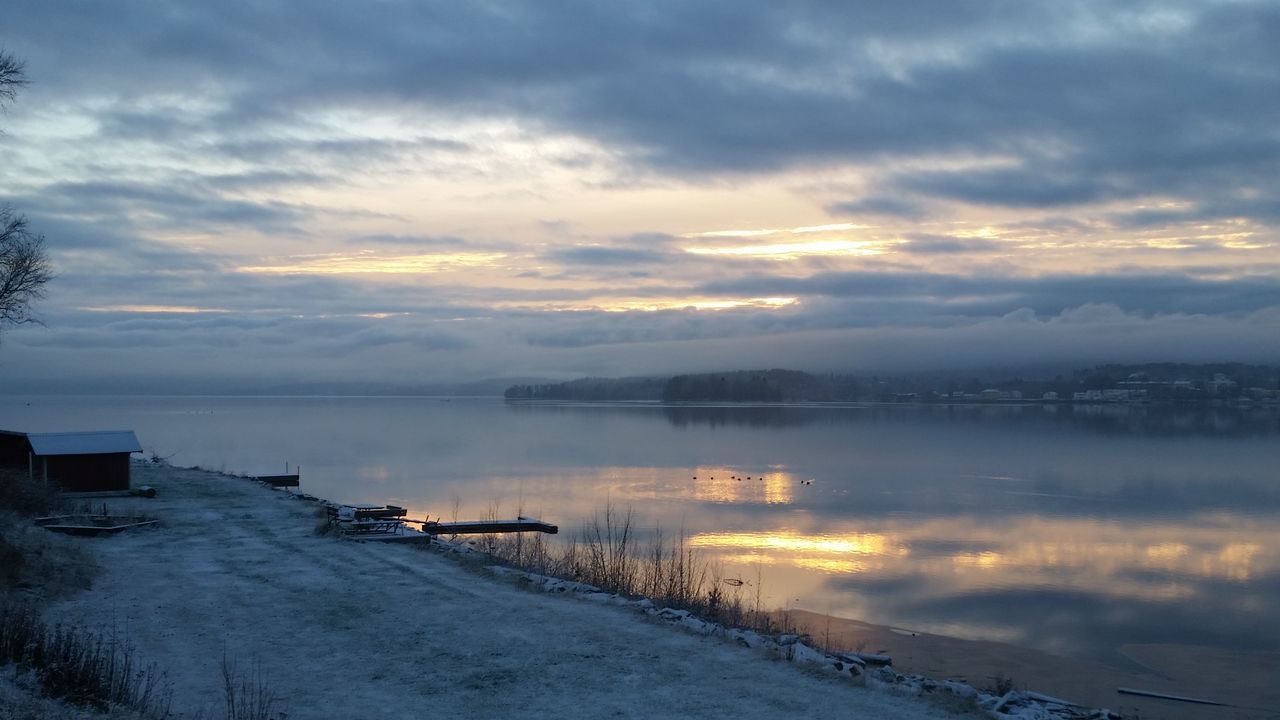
[727,485]
[1112,559]
[788,541]
[842,554]
[754,486]
[795,552]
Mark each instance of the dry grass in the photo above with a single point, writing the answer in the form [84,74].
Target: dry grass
[26,497]
[34,561]
[247,695]
[78,666]
[606,553]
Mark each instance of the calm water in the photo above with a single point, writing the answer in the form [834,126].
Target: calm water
[1070,530]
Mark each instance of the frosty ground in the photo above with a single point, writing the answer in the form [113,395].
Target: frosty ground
[340,629]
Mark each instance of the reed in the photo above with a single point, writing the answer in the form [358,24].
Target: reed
[606,553]
[81,667]
[247,695]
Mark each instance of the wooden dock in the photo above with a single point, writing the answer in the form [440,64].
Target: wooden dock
[387,523]
[471,527]
[280,480]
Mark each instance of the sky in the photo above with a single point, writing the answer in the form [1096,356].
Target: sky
[419,192]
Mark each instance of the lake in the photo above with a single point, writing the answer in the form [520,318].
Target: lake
[1071,529]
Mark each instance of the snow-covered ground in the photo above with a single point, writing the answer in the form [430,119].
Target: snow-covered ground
[340,629]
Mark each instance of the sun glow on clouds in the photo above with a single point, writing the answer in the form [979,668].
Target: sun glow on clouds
[369,263]
[658,305]
[788,251]
[835,227]
[831,240]
[699,304]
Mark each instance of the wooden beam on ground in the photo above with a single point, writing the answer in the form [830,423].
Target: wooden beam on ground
[280,480]
[474,527]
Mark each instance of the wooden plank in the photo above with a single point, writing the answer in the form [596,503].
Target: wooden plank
[91,530]
[490,526]
[1166,696]
[280,480]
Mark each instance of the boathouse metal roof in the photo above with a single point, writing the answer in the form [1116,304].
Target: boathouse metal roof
[101,442]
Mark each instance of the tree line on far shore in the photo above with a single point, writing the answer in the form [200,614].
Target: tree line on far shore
[1158,381]
[736,386]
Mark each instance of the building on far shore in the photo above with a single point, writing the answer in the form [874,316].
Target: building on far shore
[76,461]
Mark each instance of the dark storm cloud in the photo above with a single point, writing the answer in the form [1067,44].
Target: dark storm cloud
[1125,100]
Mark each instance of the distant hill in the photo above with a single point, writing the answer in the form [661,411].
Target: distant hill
[735,386]
[597,389]
[1147,382]
[759,386]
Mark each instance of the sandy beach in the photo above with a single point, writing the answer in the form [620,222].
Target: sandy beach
[340,629]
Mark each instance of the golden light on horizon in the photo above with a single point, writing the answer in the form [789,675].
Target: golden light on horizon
[658,305]
[791,251]
[368,263]
[764,303]
[762,232]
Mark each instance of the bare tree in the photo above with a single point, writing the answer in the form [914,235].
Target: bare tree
[24,267]
[13,75]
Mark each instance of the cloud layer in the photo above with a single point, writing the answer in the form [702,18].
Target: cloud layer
[435,191]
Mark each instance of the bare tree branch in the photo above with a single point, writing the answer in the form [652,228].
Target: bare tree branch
[24,269]
[13,75]
[24,266]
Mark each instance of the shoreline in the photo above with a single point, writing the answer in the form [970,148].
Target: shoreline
[975,662]
[1239,678]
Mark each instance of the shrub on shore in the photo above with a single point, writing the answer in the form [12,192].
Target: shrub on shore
[607,554]
[28,497]
[78,666]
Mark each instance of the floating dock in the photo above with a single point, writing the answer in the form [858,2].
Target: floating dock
[472,527]
[280,480]
[387,523]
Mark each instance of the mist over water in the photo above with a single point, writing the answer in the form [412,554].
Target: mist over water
[1073,529]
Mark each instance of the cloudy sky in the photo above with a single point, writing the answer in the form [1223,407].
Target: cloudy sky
[434,191]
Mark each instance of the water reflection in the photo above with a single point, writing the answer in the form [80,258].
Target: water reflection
[727,485]
[1109,419]
[1068,528]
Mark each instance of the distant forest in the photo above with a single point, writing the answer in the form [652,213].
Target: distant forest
[1194,382]
[736,386]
